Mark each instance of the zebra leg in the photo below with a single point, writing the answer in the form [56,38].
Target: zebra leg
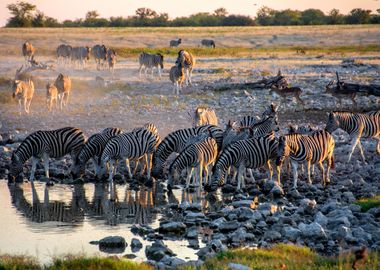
[234,175]
[206,178]
[136,166]
[270,170]
[278,170]
[378,144]
[19,106]
[200,175]
[140,68]
[25,105]
[308,172]
[322,169]
[329,164]
[190,72]
[355,141]
[361,151]
[111,170]
[189,175]
[33,170]
[187,77]
[251,174]
[159,72]
[240,176]
[95,162]
[295,173]
[128,168]
[148,158]
[45,157]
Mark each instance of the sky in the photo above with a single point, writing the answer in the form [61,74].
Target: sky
[73,9]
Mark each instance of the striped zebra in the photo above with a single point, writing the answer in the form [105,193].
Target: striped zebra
[175,43]
[47,144]
[187,61]
[199,155]
[250,120]
[93,149]
[203,115]
[100,55]
[151,61]
[357,125]
[310,149]
[251,153]
[263,127]
[176,141]
[208,43]
[126,146]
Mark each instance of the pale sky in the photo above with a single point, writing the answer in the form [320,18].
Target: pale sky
[72,9]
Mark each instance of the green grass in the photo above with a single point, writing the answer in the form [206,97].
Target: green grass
[284,256]
[70,262]
[368,203]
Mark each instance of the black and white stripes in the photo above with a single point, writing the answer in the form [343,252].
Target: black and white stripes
[47,144]
[147,60]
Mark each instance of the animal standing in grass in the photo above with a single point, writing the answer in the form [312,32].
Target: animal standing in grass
[63,84]
[24,92]
[80,56]
[100,55]
[357,125]
[175,43]
[46,144]
[64,54]
[51,96]
[111,59]
[177,77]
[28,51]
[208,43]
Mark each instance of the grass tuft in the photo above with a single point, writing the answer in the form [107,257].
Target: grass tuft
[368,203]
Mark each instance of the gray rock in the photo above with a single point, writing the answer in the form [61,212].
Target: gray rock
[245,213]
[172,261]
[277,191]
[321,219]
[194,217]
[291,233]
[267,208]
[112,241]
[229,226]
[136,244]
[192,233]
[313,230]
[157,251]
[172,227]
[272,235]
[242,203]
[237,266]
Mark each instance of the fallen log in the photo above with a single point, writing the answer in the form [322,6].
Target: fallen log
[277,81]
[345,88]
[34,65]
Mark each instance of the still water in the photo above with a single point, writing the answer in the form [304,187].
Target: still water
[52,221]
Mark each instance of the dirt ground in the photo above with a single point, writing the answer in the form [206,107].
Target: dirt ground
[125,100]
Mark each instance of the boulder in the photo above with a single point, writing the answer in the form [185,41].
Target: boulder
[312,230]
[172,227]
[157,251]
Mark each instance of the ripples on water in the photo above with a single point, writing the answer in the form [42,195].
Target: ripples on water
[51,221]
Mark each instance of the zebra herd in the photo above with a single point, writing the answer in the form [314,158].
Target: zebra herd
[207,152]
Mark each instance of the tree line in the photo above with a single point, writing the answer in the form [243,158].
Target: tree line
[25,14]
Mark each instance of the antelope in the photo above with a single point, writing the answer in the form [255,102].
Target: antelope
[339,93]
[286,92]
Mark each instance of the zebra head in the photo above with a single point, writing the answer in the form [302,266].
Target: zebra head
[274,124]
[172,176]
[270,111]
[217,179]
[283,150]
[78,168]
[16,168]
[332,123]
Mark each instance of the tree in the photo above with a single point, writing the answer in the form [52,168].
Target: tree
[220,12]
[91,15]
[313,17]
[22,14]
[359,16]
[335,17]
[287,17]
[265,16]
[146,13]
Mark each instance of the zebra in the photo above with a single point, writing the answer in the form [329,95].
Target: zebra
[176,141]
[63,53]
[151,61]
[132,145]
[28,50]
[100,55]
[187,61]
[263,127]
[80,55]
[93,149]
[51,95]
[177,77]
[175,43]
[249,153]
[357,125]
[208,43]
[250,120]
[310,149]
[203,116]
[200,154]
[24,92]
[63,84]
[46,144]
[111,58]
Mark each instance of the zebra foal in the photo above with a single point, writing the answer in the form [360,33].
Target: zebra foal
[46,144]
[310,149]
[357,125]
